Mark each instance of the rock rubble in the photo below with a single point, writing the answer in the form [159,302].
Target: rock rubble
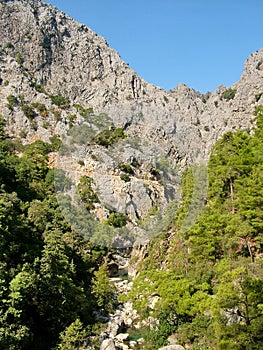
[123,318]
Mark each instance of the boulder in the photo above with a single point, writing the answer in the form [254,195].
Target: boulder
[132,344]
[122,336]
[172,347]
[107,344]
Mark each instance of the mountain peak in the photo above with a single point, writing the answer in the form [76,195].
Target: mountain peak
[41,46]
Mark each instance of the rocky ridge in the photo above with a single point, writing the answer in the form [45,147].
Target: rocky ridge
[44,46]
[57,74]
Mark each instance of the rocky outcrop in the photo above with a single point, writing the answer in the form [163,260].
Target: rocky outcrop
[57,75]
[44,46]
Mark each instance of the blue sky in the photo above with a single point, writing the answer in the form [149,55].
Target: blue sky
[202,43]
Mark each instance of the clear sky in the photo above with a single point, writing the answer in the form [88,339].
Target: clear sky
[202,43]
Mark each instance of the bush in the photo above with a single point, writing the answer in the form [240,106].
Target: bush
[86,192]
[229,94]
[125,177]
[41,108]
[55,142]
[2,126]
[9,45]
[258,110]
[109,137]
[59,100]
[19,59]
[57,115]
[85,112]
[28,111]
[39,88]
[155,172]
[72,117]
[117,219]
[23,133]
[126,168]
[12,101]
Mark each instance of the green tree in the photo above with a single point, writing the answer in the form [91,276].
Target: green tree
[102,288]
[239,310]
[73,338]
[86,192]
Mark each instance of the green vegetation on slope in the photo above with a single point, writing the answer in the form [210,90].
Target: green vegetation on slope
[49,286]
[208,276]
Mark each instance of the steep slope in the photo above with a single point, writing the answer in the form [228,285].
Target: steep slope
[68,59]
[57,74]
[125,145]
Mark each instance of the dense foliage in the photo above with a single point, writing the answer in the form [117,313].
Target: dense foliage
[48,289]
[206,279]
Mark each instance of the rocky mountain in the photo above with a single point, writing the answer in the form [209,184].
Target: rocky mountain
[58,77]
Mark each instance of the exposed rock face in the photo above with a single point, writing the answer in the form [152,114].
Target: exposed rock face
[52,68]
[68,58]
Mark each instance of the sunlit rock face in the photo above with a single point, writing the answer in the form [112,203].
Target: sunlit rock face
[57,75]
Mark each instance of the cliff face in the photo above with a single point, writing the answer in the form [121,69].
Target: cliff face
[54,69]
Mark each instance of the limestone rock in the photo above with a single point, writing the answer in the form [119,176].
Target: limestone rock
[69,59]
[107,344]
[67,75]
[122,336]
[172,347]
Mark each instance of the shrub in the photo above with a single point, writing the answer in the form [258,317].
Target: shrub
[258,110]
[109,137]
[2,127]
[197,122]
[229,94]
[126,168]
[23,133]
[19,59]
[59,100]
[85,112]
[55,142]
[34,124]
[72,117]
[9,45]
[135,163]
[117,219]
[28,111]
[86,192]
[155,172]
[41,108]
[125,177]
[39,88]
[12,101]
[57,115]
